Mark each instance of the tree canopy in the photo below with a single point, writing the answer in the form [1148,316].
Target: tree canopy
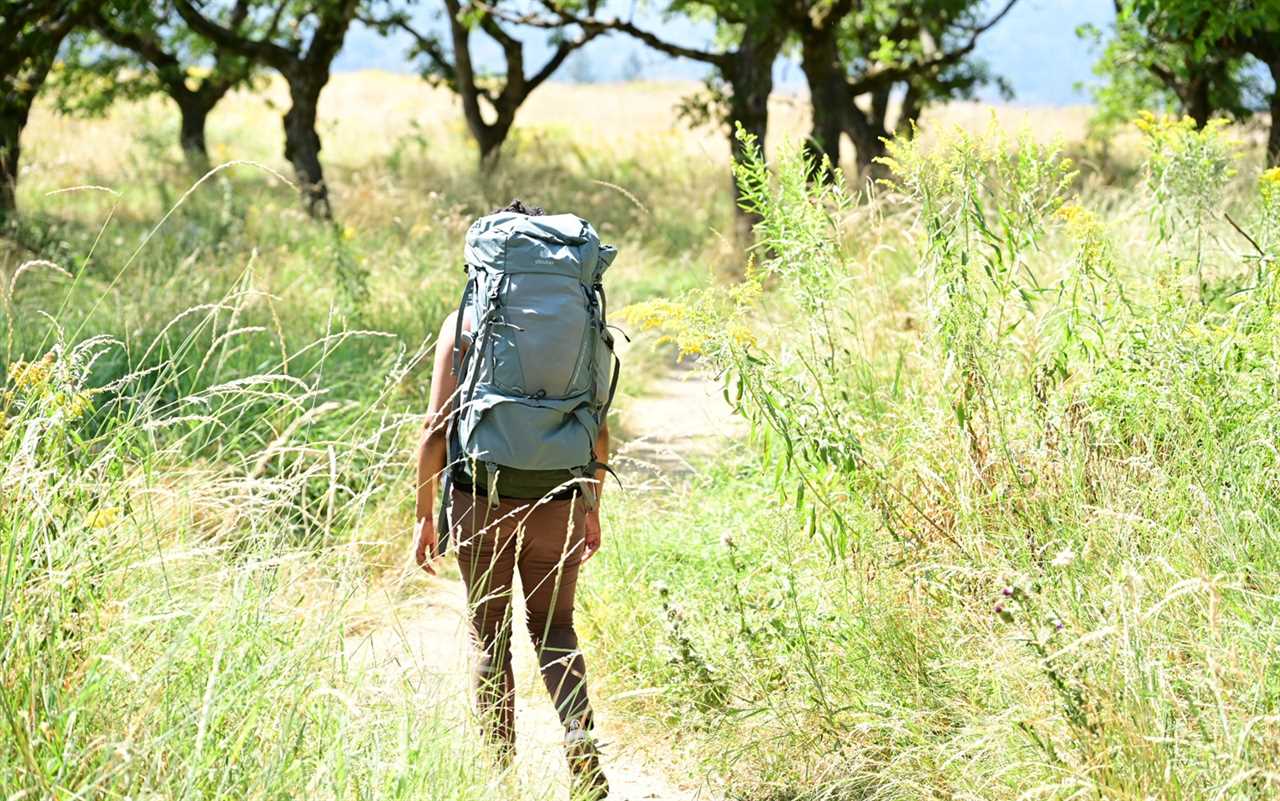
[30,35]
[133,48]
[1206,56]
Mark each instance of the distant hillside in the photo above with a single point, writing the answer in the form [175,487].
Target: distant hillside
[1035,48]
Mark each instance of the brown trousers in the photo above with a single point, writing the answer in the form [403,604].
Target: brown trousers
[544,542]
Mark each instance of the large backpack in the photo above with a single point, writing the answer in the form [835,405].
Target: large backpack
[539,371]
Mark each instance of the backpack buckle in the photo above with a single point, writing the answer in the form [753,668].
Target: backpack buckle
[491,475]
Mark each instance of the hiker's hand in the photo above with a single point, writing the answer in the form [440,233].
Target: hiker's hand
[592,536]
[424,549]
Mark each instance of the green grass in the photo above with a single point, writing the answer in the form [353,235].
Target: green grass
[208,412]
[1004,528]
[1008,530]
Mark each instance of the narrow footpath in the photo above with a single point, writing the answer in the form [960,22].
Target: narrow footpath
[421,637]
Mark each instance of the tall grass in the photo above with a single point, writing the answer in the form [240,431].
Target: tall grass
[178,546]
[207,408]
[1022,436]
[1004,528]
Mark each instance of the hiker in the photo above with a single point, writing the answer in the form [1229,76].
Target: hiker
[517,436]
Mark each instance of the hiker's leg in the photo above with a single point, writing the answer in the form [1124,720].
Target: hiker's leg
[550,554]
[486,558]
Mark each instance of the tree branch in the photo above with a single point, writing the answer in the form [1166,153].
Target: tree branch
[166,65]
[427,45]
[885,76]
[490,26]
[330,32]
[51,29]
[267,52]
[557,59]
[591,23]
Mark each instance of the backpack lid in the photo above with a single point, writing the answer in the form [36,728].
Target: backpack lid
[550,237]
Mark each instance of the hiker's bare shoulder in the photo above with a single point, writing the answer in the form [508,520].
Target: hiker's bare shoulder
[449,329]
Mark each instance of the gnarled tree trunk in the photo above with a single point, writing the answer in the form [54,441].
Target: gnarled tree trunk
[11,123]
[909,114]
[1273,135]
[490,137]
[15,107]
[305,72]
[302,143]
[867,132]
[828,95]
[1195,100]
[750,76]
[194,108]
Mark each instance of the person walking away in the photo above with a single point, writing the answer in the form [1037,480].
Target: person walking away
[516,436]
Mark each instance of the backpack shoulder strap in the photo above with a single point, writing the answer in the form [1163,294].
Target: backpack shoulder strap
[457,329]
[617,362]
[444,523]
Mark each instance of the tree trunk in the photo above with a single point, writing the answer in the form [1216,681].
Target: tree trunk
[1195,99]
[302,143]
[1273,136]
[750,78]
[194,109]
[15,107]
[490,138]
[11,124]
[879,117]
[909,114]
[867,134]
[828,94]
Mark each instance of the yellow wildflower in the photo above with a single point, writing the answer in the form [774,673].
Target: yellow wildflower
[75,405]
[692,348]
[1269,187]
[103,517]
[348,233]
[742,335]
[1145,121]
[29,375]
[652,314]
[1072,212]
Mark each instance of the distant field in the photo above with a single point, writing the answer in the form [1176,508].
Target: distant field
[367,115]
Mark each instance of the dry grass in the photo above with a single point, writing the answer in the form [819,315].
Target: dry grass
[365,115]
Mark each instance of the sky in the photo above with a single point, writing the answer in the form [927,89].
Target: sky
[1035,48]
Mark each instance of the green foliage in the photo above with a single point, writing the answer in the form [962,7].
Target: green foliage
[1058,508]
[133,48]
[912,35]
[1188,172]
[1139,70]
[1203,23]
[1196,54]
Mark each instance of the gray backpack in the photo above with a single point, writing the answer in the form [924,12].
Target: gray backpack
[539,372]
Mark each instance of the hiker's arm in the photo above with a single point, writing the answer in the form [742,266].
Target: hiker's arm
[433,445]
[593,517]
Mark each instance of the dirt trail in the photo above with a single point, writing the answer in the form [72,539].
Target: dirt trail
[684,417]
[423,639]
